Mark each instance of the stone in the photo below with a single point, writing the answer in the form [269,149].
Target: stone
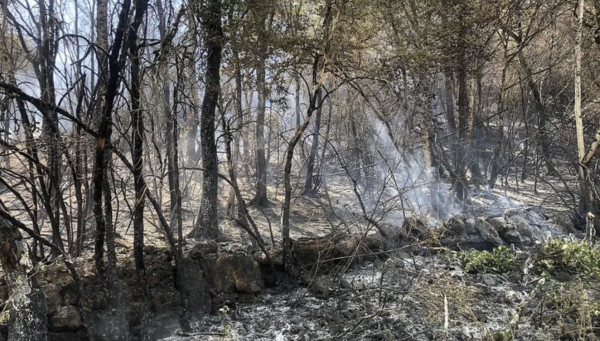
[235,272]
[203,248]
[310,251]
[513,236]
[320,286]
[345,244]
[67,336]
[194,291]
[94,298]
[345,284]
[53,298]
[499,223]
[470,226]
[70,297]
[58,274]
[66,318]
[521,225]
[275,256]
[415,229]
[456,225]
[488,233]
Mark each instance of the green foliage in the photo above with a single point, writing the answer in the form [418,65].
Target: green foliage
[572,308]
[500,260]
[574,258]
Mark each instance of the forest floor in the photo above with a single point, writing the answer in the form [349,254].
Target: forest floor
[406,296]
[412,295]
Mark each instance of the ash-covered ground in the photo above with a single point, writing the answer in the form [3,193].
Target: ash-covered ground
[401,298]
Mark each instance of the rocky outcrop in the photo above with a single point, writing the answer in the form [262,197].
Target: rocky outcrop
[66,318]
[233,272]
[512,228]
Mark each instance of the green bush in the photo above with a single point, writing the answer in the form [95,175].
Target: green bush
[575,258]
[500,260]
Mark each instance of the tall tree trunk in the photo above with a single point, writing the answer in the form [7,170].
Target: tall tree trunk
[310,166]
[497,155]
[318,68]
[460,184]
[109,81]
[239,123]
[543,134]
[450,111]
[260,198]
[137,153]
[207,224]
[28,321]
[587,201]
[46,63]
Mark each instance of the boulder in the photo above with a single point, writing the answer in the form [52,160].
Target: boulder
[203,248]
[456,226]
[66,318]
[415,229]
[522,226]
[158,270]
[470,226]
[70,296]
[53,298]
[275,256]
[488,233]
[512,236]
[321,286]
[66,336]
[234,272]
[58,274]
[345,244]
[499,223]
[311,251]
[94,298]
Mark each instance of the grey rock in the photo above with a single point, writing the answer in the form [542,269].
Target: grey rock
[66,318]
[456,225]
[234,272]
[320,286]
[488,233]
[53,298]
[203,248]
[499,223]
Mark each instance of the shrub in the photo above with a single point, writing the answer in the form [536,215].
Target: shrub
[500,260]
[575,258]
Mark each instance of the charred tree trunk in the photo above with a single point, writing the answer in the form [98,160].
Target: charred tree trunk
[543,134]
[137,153]
[261,162]
[28,321]
[239,123]
[207,224]
[318,68]
[310,166]
[497,156]
[102,189]
[460,183]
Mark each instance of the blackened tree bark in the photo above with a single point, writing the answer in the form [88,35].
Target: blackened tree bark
[497,156]
[207,224]
[310,165]
[260,198]
[46,64]
[104,228]
[261,162]
[239,123]
[543,133]
[137,157]
[27,310]
[318,68]
[460,185]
